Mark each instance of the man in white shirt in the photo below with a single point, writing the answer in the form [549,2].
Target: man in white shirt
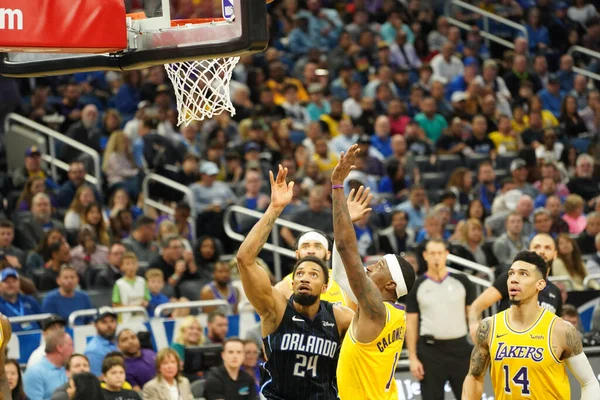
[49,325]
[446,65]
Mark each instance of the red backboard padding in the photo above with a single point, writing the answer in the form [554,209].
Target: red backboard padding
[69,26]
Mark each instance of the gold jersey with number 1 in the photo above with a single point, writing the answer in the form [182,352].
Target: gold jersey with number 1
[366,370]
[523,364]
[333,295]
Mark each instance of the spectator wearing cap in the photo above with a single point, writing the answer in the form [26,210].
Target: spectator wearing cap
[43,378]
[552,95]
[32,167]
[373,158]
[103,342]
[510,242]
[141,241]
[51,324]
[432,123]
[66,299]
[519,173]
[60,254]
[559,27]
[542,223]
[446,65]
[210,194]
[15,304]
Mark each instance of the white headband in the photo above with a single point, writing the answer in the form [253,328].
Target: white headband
[396,272]
[313,237]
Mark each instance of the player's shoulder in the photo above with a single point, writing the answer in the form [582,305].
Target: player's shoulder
[462,278]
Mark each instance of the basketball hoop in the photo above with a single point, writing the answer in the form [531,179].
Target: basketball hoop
[201,87]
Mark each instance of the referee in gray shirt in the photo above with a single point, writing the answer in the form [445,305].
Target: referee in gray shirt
[436,325]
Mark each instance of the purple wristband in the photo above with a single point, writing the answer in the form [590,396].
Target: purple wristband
[337,186]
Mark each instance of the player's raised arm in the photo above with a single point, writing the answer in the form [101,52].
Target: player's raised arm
[576,360]
[368,295]
[255,280]
[480,360]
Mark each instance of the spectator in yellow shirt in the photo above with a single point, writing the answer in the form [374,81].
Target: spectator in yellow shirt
[325,159]
[548,119]
[279,81]
[505,138]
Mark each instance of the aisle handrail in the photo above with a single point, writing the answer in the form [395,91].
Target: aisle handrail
[587,52]
[472,265]
[562,279]
[590,278]
[52,158]
[275,247]
[28,318]
[487,16]
[189,304]
[91,312]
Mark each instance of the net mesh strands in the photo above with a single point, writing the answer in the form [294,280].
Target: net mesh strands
[202,88]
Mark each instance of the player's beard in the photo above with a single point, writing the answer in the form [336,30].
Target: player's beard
[305,299]
[515,302]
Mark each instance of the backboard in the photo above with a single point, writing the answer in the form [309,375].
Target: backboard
[169,31]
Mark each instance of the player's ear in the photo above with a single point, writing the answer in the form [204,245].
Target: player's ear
[541,284]
[390,285]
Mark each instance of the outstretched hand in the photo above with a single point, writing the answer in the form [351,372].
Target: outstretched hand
[281,191]
[344,165]
[358,204]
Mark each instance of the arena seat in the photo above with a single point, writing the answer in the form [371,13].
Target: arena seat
[100,297]
[474,160]
[434,180]
[424,164]
[447,163]
[198,389]
[503,160]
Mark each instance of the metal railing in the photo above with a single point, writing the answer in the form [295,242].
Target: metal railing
[116,310]
[486,23]
[472,265]
[189,304]
[28,318]
[148,202]
[52,159]
[587,52]
[590,278]
[562,279]
[275,247]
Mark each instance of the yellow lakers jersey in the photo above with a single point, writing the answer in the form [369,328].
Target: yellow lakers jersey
[334,293]
[366,371]
[523,364]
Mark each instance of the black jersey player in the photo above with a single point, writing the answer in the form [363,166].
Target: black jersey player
[302,336]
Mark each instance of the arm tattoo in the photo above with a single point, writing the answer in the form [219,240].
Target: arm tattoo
[480,357]
[573,340]
[368,295]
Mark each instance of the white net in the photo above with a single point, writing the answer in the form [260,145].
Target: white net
[202,88]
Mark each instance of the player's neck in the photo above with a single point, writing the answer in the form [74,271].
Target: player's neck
[524,315]
[308,311]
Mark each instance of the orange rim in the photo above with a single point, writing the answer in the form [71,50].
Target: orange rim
[195,21]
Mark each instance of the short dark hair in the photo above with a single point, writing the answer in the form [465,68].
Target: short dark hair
[144,220]
[75,355]
[233,339]
[315,260]
[531,257]
[54,247]
[110,362]
[396,212]
[569,310]
[213,315]
[5,223]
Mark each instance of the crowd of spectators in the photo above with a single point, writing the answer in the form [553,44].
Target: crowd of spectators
[462,139]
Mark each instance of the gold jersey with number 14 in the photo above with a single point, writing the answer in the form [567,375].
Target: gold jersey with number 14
[523,364]
[366,370]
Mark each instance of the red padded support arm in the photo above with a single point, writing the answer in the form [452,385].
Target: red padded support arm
[63,26]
